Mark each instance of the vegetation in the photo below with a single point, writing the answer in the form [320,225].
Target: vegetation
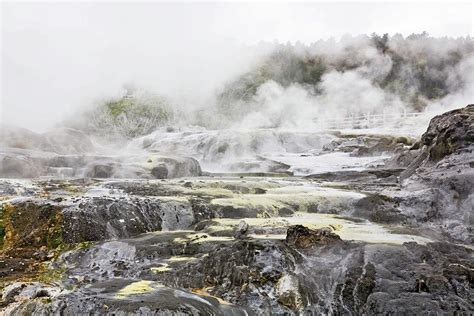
[418,69]
[129,116]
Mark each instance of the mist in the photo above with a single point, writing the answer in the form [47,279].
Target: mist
[59,59]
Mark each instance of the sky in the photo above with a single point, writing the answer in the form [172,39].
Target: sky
[57,57]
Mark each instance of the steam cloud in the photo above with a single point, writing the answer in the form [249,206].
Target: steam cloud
[60,57]
[353,76]
[300,86]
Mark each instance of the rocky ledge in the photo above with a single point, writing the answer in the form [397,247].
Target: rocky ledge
[438,183]
[68,153]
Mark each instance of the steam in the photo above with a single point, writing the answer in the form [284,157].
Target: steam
[353,76]
[461,97]
[357,75]
[300,87]
[63,60]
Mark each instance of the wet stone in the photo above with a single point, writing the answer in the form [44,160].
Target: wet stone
[160,172]
[302,237]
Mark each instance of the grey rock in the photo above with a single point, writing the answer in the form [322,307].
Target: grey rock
[241,230]
[160,172]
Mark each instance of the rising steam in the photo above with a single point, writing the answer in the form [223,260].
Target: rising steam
[300,86]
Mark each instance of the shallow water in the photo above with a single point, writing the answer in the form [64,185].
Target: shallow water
[358,230]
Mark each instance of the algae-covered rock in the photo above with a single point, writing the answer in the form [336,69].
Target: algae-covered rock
[35,223]
[30,224]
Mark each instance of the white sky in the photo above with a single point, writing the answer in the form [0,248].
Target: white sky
[58,56]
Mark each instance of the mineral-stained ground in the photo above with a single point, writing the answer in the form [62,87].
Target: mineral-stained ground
[390,233]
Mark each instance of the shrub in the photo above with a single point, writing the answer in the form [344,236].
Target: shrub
[129,116]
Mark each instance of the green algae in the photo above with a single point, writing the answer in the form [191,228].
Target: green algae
[3,215]
[50,275]
[32,225]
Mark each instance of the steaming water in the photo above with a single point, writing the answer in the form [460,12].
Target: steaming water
[256,150]
[309,164]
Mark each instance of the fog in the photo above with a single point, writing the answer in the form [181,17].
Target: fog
[354,77]
[58,58]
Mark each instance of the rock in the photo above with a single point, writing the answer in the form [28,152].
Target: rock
[160,172]
[28,290]
[176,215]
[100,171]
[17,137]
[64,141]
[403,158]
[384,175]
[30,224]
[12,290]
[287,212]
[163,167]
[258,164]
[363,278]
[129,297]
[67,141]
[13,166]
[241,230]
[233,150]
[302,237]
[451,133]
[289,293]
[33,223]
[379,209]
[259,191]
[7,189]
[66,152]
[106,218]
[439,182]
[367,145]
[19,163]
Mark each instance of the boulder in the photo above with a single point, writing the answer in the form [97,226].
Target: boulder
[448,134]
[160,172]
[101,171]
[164,167]
[241,230]
[302,237]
